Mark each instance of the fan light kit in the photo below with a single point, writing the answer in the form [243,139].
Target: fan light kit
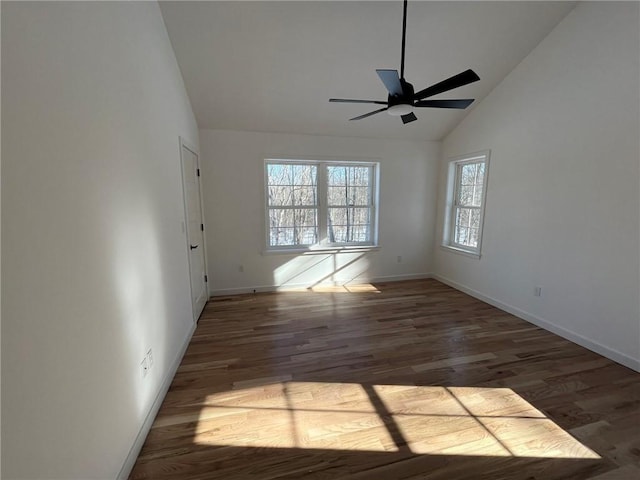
[400,109]
[402,100]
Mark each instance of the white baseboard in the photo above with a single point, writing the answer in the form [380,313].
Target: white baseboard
[399,278]
[130,461]
[592,345]
[289,286]
[254,289]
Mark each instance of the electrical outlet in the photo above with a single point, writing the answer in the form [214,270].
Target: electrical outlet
[399,258]
[537,291]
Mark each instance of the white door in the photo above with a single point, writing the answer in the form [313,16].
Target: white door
[195,228]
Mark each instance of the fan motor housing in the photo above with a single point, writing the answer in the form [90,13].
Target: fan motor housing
[405,98]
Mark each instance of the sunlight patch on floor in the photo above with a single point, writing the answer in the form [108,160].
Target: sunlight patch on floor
[438,420]
[356,288]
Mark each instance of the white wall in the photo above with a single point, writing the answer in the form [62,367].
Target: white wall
[0,257]
[563,197]
[233,183]
[94,264]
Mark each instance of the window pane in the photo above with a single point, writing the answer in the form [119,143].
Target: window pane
[336,195]
[477,196]
[480,174]
[472,174]
[361,233]
[293,227]
[462,216]
[349,186]
[348,175]
[288,174]
[279,174]
[360,196]
[360,216]
[359,176]
[279,195]
[468,217]
[473,237]
[304,174]
[307,236]
[281,237]
[462,235]
[353,234]
[470,195]
[466,236]
[465,195]
[347,195]
[281,217]
[292,185]
[305,217]
[336,175]
[349,225]
[467,227]
[349,216]
[468,174]
[475,218]
[304,196]
[290,236]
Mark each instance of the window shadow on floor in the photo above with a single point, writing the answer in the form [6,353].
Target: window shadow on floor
[389,383]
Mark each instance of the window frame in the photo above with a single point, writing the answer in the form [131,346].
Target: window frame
[322,208]
[454,183]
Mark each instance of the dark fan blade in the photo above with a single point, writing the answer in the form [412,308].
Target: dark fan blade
[464,78]
[462,103]
[391,80]
[409,117]
[369,114]
[348,100]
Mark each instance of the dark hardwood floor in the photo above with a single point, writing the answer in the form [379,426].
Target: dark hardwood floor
[403,380]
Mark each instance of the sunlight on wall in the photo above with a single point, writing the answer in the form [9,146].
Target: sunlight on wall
[420,419]
[312,270]
[138,282]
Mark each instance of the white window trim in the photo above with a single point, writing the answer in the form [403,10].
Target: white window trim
[324,246]
[449,220]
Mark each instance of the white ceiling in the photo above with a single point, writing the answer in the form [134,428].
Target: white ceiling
[272,66]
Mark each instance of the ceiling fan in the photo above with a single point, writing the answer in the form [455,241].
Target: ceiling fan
[402,99]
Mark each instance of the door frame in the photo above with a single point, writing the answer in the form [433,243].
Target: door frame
[185,224]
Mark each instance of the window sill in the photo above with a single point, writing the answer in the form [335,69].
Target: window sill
[322,250]
[461,251]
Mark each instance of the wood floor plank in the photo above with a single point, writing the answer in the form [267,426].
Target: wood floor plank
[402,380]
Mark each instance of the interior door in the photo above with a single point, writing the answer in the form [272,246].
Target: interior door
[195,228]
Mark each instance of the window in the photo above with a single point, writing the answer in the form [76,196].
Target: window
[465,202]
[320,204]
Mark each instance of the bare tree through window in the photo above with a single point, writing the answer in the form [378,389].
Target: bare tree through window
[293,204]
[465,203]
[320,202]
[349,203]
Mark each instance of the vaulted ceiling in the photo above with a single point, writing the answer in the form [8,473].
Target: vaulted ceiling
[272,66]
